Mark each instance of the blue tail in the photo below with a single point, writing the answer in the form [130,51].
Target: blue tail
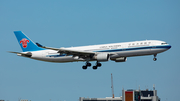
[26,43]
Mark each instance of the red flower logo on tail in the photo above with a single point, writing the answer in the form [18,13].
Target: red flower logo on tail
[24,42]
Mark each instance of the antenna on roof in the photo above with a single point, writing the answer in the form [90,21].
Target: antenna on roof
[153,86]
[112,86]
[139,87]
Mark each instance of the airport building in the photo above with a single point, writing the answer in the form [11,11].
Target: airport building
[129,95]
[24,100]
[101,99]
[140,95]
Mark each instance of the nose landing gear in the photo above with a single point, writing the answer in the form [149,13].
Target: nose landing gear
[155,57]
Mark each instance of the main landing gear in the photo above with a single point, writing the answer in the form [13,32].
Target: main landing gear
[94,67]
[97,65]
[87,65]
[155,57]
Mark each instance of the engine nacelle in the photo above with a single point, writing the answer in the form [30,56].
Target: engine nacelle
[102,57]
[121,59]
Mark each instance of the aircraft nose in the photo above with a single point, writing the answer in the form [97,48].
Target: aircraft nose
[169,46]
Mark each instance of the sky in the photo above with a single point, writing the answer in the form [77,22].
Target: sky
[66,23]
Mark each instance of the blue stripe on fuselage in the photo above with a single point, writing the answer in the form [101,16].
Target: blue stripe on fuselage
[55,55]
[136,48]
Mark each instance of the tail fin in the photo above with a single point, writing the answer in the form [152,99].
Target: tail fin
[26,43]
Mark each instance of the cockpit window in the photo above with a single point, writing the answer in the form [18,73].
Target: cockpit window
[163,43]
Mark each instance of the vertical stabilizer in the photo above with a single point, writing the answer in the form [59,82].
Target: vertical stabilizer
[26,43]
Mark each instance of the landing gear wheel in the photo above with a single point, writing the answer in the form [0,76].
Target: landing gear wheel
[98,64]
[88,64]
[94,67]
[84,67]
[154,59]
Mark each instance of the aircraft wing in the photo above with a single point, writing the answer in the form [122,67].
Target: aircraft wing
[70,52]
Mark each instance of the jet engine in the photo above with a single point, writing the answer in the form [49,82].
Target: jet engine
[101,57]
[121,59]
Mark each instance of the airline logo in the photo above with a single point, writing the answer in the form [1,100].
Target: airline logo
[24,42]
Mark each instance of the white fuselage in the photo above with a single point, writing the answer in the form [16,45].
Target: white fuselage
[116,50]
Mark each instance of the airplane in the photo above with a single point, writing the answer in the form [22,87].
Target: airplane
[117,52]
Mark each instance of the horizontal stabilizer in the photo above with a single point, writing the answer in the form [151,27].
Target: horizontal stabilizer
[28,54]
